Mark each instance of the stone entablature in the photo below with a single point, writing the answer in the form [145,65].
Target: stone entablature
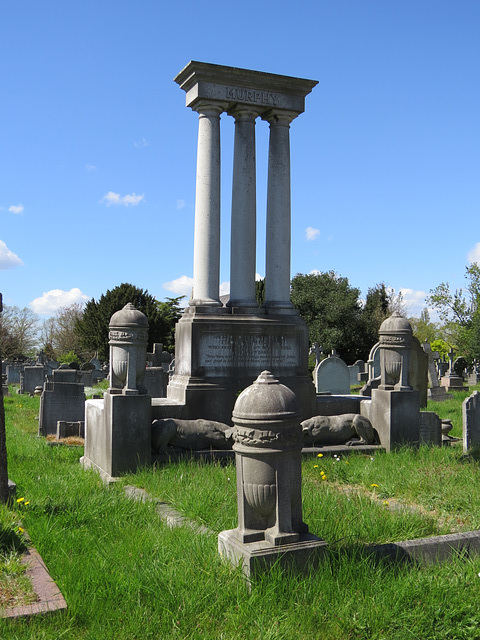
[204,82]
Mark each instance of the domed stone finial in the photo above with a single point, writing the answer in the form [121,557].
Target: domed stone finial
[396,338]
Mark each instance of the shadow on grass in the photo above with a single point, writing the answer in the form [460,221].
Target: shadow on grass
[10,540]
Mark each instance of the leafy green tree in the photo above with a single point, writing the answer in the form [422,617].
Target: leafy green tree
[377,308]
[170,312]
[93,327]
[333,312]
[423,328]
[460,313]
[260,291]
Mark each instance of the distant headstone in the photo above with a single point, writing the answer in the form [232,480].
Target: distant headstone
[435,391]
[430,428]
[332,375]
[63,399]
[471,422]
[31,377]
[155,382]
[13,372]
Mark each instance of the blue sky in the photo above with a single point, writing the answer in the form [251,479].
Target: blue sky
[98,151]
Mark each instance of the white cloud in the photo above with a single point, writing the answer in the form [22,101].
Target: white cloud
[53,300]
[180,204]
[141,143]
[181,286]
[127,200]
[474,254]
[224,288]
[8,259]
[259,277]
[90,167]
[311,233]
[314,272]
[18,208]
[414,301]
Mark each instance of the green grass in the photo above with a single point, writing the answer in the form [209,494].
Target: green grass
[125,575]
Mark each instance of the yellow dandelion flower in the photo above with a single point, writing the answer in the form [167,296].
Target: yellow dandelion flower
[347,462]
[320,455]
[315,466]
[374,486]
[385,503]
[28,502]
[20,529]
[20,499]
[324,477]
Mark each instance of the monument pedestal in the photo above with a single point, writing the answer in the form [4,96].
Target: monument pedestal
[395,415]
[217,355]
[117,433]
[453,383]
[256,557]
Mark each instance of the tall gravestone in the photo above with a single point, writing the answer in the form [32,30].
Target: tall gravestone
[220,350]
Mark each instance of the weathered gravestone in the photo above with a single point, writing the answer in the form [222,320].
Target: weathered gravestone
[332,376]
[13,372]
[155,382]
[63,399]
[435,391]
[471,422]
[31,377]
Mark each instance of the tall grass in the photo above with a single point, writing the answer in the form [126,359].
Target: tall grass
[125,575]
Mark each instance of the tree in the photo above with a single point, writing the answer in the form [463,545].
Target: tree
[460,312]
[423,328]
[378,307]
[18,332]
[93,327]
[333,312]
[171,312]
[260,291]
[61,333]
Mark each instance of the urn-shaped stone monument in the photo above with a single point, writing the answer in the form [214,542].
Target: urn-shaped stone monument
[268,444]
[395,345]
[128,338]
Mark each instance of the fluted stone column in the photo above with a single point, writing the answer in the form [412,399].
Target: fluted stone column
[243,228]
[206,251]
[277,267]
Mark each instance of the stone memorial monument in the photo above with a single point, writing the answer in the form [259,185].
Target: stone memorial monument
[268,443]
[118,428]
[394,410]
[220,350]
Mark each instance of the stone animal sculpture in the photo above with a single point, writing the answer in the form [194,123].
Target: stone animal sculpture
[347,428]
[190,434]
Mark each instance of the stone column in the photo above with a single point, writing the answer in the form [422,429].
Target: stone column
[206,251]
[243,229]
[277,267]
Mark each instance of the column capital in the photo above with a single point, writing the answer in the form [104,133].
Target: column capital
[243,112]
[279,117]
[206,108]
